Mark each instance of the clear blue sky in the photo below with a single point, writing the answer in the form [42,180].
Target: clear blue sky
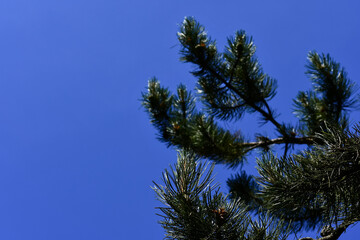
[77,152]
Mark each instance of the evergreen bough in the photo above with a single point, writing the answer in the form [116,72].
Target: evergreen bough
[316,188]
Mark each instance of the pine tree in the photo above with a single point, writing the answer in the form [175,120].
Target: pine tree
[315,188]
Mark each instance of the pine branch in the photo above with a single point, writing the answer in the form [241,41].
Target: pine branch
[194,208]
[336,233]
[320,185]
[201,51]
[299,140]
[266,114]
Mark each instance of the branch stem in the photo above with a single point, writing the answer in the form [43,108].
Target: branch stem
[337,232]
[300,140]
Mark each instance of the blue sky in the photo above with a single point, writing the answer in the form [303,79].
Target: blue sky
[77,151]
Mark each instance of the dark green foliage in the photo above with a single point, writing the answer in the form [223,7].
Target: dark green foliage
[244,187]
[321,185]
[229,83]
[312,189]
[194,208]
[331,97]
[268,228]
[180,125]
